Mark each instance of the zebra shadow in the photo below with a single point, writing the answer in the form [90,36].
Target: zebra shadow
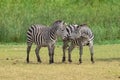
[108,59]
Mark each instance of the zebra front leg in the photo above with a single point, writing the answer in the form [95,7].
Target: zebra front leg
[69,52]
[91,52]
[65,45]
[37,53]
[28,51]
[50,49]
[80,53]
[53,48]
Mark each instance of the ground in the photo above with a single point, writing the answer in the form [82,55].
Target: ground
[14,67]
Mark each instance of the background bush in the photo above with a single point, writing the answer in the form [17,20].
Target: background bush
[103,16]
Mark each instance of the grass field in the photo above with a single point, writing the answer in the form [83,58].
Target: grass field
[14,67]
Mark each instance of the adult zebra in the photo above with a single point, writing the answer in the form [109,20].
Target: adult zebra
[85,37]
[44,37]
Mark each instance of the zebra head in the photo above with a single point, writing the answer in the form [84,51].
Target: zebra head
[65,34]
[76,33]
[62,30]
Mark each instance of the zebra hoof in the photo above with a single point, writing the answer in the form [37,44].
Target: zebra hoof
[70,60]
[63,59]
[93,62]
[80,61]
[39,61]
[27,61]
[51,61]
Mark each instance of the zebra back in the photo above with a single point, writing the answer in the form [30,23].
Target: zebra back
[34,34]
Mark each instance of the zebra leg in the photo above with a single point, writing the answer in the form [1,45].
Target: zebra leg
[37,53]
[80,53]
[65,45]
[28,52]
[50,49]
[69,52]
[91,51]
[53,48]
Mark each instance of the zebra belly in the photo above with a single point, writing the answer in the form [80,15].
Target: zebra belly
[41,44]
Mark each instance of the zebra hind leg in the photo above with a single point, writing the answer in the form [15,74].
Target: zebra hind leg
[91,52]
[53,48]
[28,52]
[92,59]
[69,52]
[80,53]
[64,50]
[63,58]
[50,55]
[37,53]
[51,58]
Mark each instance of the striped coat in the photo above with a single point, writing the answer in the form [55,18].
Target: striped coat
[80,36]
[43,37]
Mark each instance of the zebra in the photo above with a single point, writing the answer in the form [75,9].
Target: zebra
[66,38]
[82,36]
[71,35]
[44,36]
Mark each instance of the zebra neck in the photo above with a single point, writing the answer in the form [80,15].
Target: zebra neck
[53,30]
[52,33]
[91,37]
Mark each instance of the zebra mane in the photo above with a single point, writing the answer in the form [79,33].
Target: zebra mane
[83,25]
[56,23]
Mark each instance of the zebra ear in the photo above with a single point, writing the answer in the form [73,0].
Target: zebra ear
[56,23]
[77,26]
[65,24]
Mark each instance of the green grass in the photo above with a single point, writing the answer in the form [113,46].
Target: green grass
[14,67]
[17,15]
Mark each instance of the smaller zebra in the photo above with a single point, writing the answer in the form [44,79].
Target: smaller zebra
[82,36]
[66,38]
[44,36]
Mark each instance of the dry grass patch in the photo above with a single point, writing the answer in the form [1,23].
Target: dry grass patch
[14,67]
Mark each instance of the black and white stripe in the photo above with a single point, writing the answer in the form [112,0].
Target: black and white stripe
[69,30]
[43,36]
